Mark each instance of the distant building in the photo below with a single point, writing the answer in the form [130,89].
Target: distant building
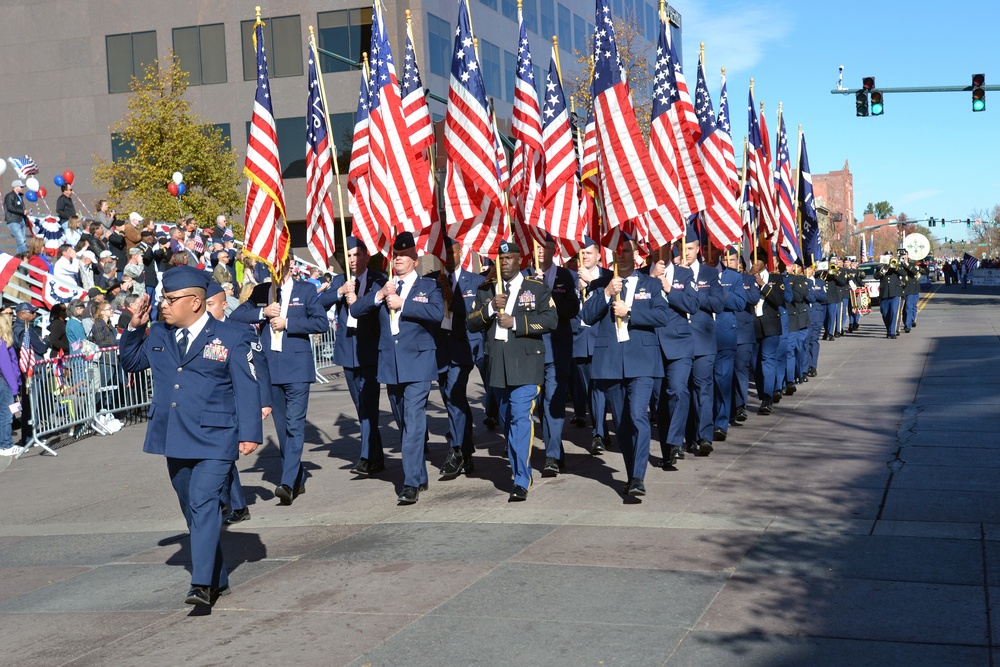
[836,188]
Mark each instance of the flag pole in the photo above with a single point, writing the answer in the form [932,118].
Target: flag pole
[708,253]
[798,209]
[332,142]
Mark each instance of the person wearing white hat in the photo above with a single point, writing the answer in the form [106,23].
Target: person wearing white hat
[131,231]
[88,268]
[17,221]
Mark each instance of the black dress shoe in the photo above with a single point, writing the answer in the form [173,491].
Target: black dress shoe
[409,495]
[741,415]
[776,397]
[597,448]
[490,423]
[670,460]
[691,448]
[300,490]
[765,408]
[366,468]
[719,435]
[199,595]
[811,372]
[704,447]
[679,451]
[284,494]
[578,421]
[517,494]
[906,329]
[220,592]
[790,389]
[636,488]
[892,336]
[453,465]
[551,468]
[236,516]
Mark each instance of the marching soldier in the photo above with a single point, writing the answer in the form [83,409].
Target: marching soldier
[835,290]
[727,338]
[356,350]
[584,337]
[409,309]
[457,350]
[626,312]
[817,313]
[770,325]
[746,342]
[911,291]
[558,355]
[513,320]
[890,291]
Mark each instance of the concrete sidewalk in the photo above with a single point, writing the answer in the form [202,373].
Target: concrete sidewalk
[857,525]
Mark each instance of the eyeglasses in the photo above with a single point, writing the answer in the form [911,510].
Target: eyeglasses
[171,300]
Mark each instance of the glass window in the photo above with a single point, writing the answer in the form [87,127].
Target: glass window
[580,35]
[509,9]
[548,19]
[201,50]
[347,33]
[227,135]
[492,4]
[510,75]
[282,44]
[652,23]
[120,149]
[617,9]
[292,142]
[439,45]
[489,56]
[529,9]
[565,27]
[342,131]
[128,56]
[539,81]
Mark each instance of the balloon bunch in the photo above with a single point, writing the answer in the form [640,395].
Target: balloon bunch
[176,186]
[34,189]
[64,178]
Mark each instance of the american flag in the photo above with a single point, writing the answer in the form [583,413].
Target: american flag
[588,158]
[788,241]
[758,179]
[624,166]
[484,232]
[725,133]
[357,179]
[806,206]
[24,166]
[560,194]
[26,357]
[473,174]
[399,190]
[527,131]
[421,130]
[267,237]
[969,261]
[672,103]
[722,216]
[320,228]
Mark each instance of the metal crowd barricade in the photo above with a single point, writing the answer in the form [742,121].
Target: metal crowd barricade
[322,349]
[68,392]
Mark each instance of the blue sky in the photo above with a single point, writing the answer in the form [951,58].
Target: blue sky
[929,154]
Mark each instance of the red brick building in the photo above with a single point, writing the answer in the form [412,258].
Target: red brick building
[836,189]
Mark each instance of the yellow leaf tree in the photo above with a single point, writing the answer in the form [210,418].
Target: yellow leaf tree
[160,135]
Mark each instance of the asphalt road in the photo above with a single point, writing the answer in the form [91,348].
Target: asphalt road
[857,525]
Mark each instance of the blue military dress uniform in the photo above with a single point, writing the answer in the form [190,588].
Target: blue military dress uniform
[407,363]
[746,348]
[710,299]
[558,359]
[584,337]
[356,351]
[625,370]
[293,369]
[677,347]
[727,339]
[205,402]
[458,349]
[817,315]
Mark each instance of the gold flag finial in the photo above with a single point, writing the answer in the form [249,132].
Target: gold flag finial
[407,15]
[723,71]
[257,9]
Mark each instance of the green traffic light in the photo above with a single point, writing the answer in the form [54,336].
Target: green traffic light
[978,105]
[876,109]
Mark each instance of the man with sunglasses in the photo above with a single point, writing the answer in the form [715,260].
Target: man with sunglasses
[206,410]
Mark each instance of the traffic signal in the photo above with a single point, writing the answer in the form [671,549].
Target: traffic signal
[968,222]
[942,222]
[931,223]
[876,102]
[862,103]
[868,83]
[978,93]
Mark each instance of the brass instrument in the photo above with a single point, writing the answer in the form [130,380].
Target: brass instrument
[894,263]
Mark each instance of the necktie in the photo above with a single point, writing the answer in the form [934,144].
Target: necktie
[624,289]
[506,287]
[182,342]
[357,288]
[399,288]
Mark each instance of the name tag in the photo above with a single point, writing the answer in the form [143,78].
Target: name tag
[157,349]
